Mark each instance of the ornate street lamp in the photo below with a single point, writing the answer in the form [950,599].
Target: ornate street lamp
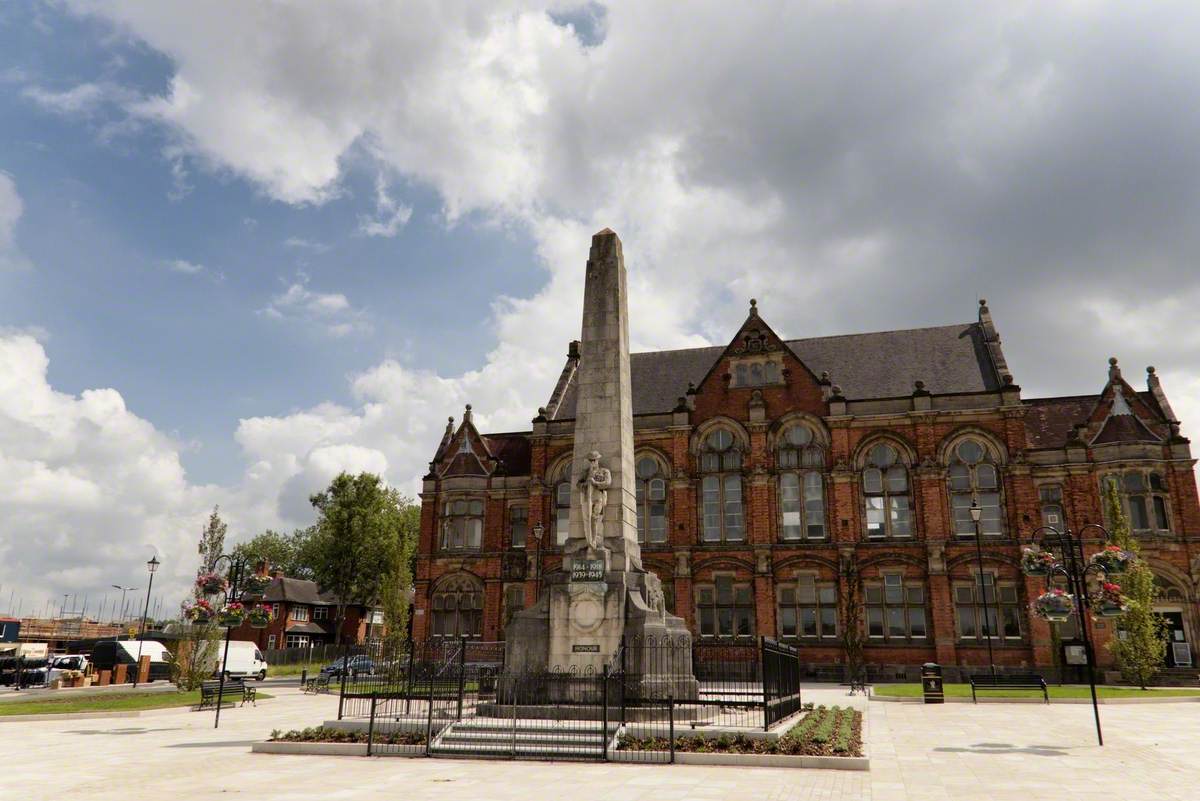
[152,566]
[1056,605]
[983,622]
[538,531]
[232,613]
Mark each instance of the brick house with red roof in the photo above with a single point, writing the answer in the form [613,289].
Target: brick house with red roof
[304,616]
[766,466]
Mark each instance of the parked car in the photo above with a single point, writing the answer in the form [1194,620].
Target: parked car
[109,653]
[355,665]
[245,661]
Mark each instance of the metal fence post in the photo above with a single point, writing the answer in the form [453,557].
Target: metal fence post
[604,715]
[371,725]
[429,719]
[409,679]
[623,674]
[763,671]
[462,667]
[671,708]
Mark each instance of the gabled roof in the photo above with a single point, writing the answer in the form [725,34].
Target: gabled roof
[297,591]
[949,359]
[1124,428]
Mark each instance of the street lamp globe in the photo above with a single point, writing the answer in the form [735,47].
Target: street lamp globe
[976,510]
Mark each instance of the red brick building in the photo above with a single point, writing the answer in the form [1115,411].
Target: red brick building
[304,617]
[767,466]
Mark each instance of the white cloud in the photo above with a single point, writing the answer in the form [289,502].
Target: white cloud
[84,474]
[390,216]
[11,209]
[331,311]
[185,267]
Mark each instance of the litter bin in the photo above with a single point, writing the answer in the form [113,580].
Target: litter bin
[931,683]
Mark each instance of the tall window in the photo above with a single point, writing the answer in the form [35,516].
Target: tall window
[651,501]
[457,608]
[895,609]
[801,487]
[562,508]
[885,494]
[721,489]
[725,609]
[808,609]
[518,525]
[1144,496]
[976,604]
[462,525]
[974,476]
[1052,510]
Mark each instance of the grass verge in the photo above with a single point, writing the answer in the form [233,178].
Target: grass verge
[1065,691]
[108,702]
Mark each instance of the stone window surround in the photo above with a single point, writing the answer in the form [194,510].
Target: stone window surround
[1154,497]
[1000,583]
[880,583]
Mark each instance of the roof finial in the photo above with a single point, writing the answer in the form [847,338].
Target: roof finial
[753,307]
[467,414]
[1114,372]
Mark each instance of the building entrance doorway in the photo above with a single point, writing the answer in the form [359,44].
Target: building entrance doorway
[1179,650]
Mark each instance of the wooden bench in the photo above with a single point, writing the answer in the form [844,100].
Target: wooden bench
[1023,681]
[317,684]
[234,690]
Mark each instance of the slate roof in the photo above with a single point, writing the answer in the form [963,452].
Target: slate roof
[1050,420]
[305,628]
[949,359]
[297,591]
[513,451]
[1124,428]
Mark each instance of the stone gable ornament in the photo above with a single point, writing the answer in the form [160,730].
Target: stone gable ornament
[593,498]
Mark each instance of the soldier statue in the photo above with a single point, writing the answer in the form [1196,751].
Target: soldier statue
[593,497]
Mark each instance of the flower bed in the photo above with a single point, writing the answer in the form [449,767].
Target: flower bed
[322,734]
[825,731]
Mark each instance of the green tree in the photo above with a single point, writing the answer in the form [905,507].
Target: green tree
[194,657]
[212,541]
[286,552]
[355,545]
[1141,650]
[393,594]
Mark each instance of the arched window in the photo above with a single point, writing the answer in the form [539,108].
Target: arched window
[801,486]
[721,488]
[457,608]
[651,501]
[462,525]
[562,506]
[1145,499]
[886,494]
[973,476]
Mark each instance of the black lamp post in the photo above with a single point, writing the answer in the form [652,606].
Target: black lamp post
[237,570]
[152,566]
[984,623]
[538,531]
[1071,565]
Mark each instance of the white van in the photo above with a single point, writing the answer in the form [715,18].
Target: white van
[245,660]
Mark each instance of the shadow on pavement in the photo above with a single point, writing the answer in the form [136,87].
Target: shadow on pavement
[1005,748]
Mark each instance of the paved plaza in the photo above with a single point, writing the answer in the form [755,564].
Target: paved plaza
[1015,752]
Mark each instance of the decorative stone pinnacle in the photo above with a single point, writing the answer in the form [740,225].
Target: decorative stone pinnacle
[1150,369]
[753,307]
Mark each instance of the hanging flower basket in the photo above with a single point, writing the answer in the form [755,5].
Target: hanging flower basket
[259,617]
[1055,606]
[1107,601]
[257,583]
[198,613]
[232,614]
[1112,559]
[1036,562]
[211,583]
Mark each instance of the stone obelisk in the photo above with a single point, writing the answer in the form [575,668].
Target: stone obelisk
[603,598]
[604,417]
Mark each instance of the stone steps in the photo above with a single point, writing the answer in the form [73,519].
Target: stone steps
[496,738]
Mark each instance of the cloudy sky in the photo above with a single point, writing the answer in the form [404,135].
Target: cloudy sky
[244,245]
